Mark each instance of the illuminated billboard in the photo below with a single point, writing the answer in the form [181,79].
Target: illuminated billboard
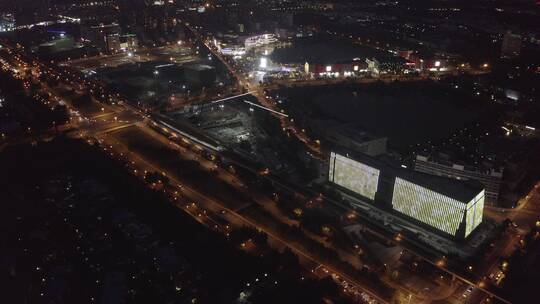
[427,206]
[352,175]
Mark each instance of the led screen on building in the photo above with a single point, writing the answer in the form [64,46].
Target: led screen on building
[353,175]
[475,211]
[432,208]
[478,212]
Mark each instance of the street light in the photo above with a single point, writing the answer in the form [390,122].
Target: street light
[441,262]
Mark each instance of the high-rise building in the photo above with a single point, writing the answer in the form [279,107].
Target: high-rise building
[511,45]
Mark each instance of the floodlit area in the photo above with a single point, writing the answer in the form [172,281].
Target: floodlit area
[226,123]
[252,133]
[234,124]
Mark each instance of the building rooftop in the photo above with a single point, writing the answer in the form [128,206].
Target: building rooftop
[461,190]
[483,168]
[354,132]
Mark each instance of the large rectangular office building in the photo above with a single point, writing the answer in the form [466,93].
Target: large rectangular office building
[446,206]
[490,178]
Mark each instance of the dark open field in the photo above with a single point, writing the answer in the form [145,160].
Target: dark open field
[406,113]
[189,172]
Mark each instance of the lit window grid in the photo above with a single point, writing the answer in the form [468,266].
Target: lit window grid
[469,220]
[432,208]
[331,169]
[475,212]
[353,175]
[479,213]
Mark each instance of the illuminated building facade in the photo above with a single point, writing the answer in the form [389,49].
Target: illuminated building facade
[353,175]
[435,209]
[447,207]
[491,178]
[259,40]
[339,69]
